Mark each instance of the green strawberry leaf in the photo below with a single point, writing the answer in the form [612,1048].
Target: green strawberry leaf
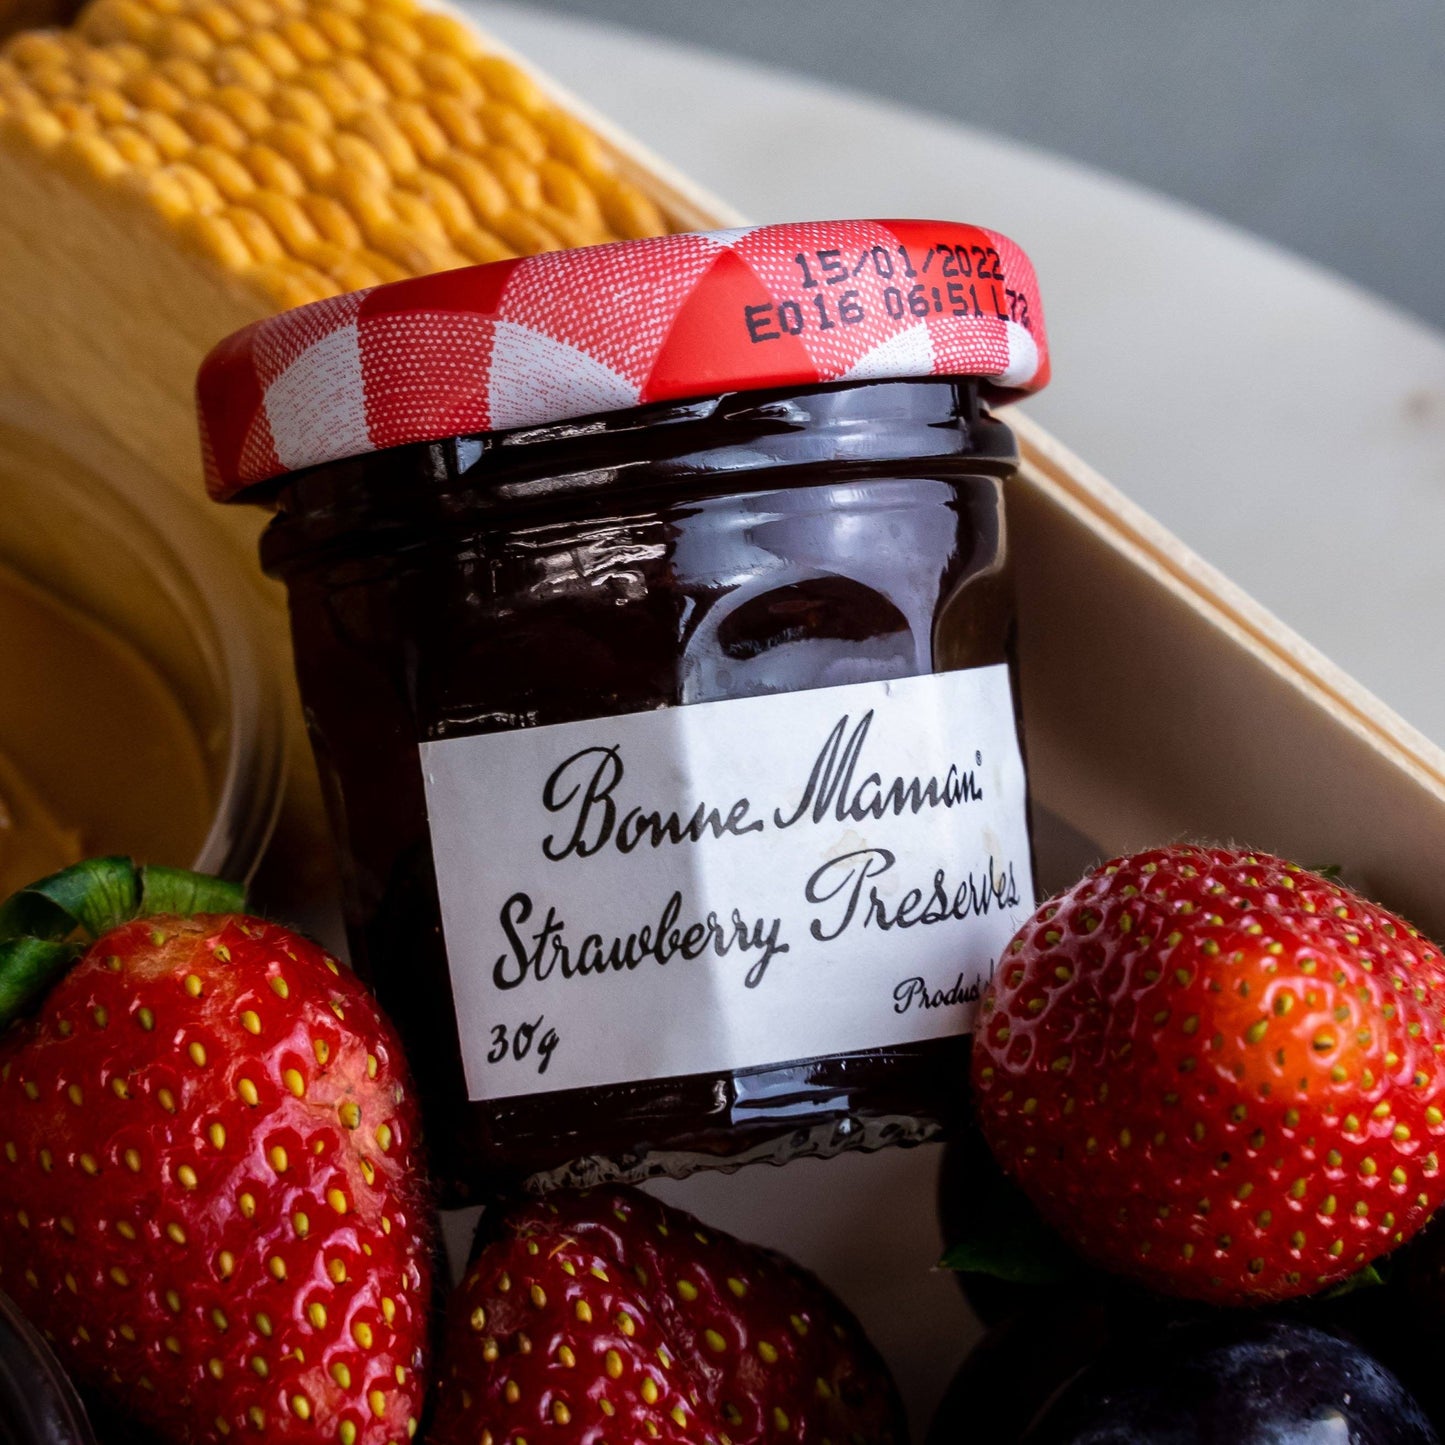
[1366,1278]
[1015,1254]
[1001,1235]
[174,890]
[28,967]
[94,895]
[39,924]
[30,914]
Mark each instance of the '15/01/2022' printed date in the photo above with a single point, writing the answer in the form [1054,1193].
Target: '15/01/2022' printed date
[948,280]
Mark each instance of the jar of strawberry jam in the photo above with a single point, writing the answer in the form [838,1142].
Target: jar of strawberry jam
[652,617]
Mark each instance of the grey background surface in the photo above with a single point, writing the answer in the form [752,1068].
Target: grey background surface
[1317,123]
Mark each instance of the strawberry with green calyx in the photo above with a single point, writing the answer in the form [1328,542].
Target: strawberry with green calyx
[210,1190]
[1218,1074]
[46,926]
[609,1316]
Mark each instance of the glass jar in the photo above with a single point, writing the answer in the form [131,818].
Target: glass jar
[163,631]
[672,749]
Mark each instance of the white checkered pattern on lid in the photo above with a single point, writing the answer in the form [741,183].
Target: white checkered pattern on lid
[574,333]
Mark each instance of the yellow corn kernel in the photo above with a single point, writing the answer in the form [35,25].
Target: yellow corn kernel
[447,203]
[397,72]
[342,266]
[417,255]
[508,126]
[564,188]
[523,234]
[180,35]
[274,54]
[93,154]
[100,67]
[219,21]
[238,65]
[305,41]
[169,138]
[360,79]
[629,213]
[109,104]
[293,227]
[445,33]
[301,103]
[224,171]
[446,73]
[154,93]
[54,82]
[383,135]
[208,124]
[294,283]
[484,192]
[206,200]
[135,148]
[244,107]
[340,31]
[504,80]
[163,193]
[384,266]
[412,119]
[365,201]
[186,75]
[258,238]
[335,223]
[76,117]
[516,173]
[330,89]
[37,49]
[457,116]
[308,152]
[217,238]
[387,29]
[568,229]
[17,99]
[481,246]
[418,218]
[104,21]
[273,171]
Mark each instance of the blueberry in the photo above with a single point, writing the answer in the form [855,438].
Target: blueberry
[1234,1380]
[1017,1366]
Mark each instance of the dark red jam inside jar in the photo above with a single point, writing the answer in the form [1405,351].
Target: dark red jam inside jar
[671,749]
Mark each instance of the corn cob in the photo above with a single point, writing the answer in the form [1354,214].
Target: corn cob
[307,147]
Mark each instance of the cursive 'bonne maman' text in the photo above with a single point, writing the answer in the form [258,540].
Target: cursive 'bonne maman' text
[582,789]
[830,789]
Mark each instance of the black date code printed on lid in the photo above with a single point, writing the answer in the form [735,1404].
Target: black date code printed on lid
[839,289]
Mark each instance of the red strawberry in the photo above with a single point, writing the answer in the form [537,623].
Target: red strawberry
[610,1317]
[1218,1073]
[209,1186]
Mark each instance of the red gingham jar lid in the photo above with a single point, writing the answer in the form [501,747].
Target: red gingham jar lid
[568,334]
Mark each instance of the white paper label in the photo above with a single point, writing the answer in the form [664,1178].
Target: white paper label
[721,885]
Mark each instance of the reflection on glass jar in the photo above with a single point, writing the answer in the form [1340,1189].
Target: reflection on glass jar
[132,714]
